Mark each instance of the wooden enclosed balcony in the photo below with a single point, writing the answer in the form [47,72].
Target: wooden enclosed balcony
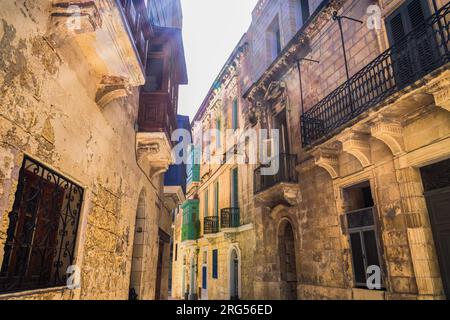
[418,53]
[158,100]
[157,114]
[156,122]
[136,14]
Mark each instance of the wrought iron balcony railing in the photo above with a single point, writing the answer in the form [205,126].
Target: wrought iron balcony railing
[230,218]
[211,225]
[286,173]
[421,51]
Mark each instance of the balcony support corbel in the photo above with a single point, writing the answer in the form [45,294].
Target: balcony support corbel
[390,132]
[440,89]
[154,152]
[357,144]
[327,158]
[110,89]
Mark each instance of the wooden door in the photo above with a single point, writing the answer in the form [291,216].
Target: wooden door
[438,203]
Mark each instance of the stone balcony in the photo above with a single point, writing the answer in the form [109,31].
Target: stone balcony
[281,187]
[173,196]
[107,33]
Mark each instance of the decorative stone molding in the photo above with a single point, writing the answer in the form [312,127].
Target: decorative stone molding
[440,89]
[275,91]
[327,158]
[281,211]
[230,237]
[391,133]
[217,106]
[154,152]
[357,144]
[111,88]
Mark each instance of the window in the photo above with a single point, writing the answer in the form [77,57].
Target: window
[155,73]
[176,251]
[45,215]
[418,53]
[234,188]
[216,199]
[235,115]
[218,133]
[402,21]
[304,11]
[274,39]
[214,263]
[362,232]
[205,206]
[204,270]
[204,277]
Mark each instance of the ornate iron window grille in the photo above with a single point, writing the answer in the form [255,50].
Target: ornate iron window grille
[211,225]
[230,218]
[422,51]
[286,173]
[43,225]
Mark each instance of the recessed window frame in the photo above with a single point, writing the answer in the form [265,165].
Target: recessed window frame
[50,189]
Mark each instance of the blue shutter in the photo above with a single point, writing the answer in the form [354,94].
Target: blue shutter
[214,266]
[204,278]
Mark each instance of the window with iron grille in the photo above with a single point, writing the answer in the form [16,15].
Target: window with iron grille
[43,224]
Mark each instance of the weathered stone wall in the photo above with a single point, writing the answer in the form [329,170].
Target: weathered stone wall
[48,112]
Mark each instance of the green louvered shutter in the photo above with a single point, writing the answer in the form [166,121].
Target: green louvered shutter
[234,188]
[235,114]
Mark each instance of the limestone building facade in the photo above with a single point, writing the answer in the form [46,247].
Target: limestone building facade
[86,117]
[359,93]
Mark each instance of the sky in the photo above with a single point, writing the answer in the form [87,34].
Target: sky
[211,30]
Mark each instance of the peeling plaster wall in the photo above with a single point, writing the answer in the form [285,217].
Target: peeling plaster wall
[47,111]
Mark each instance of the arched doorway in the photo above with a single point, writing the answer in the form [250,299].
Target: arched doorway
[136,276]
[288,269]
[234,275]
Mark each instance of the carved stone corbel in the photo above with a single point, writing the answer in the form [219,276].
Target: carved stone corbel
[357,144]
[440,89]
[230,236]
[153,152]
[391,133]
[327,158]
[111,88]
